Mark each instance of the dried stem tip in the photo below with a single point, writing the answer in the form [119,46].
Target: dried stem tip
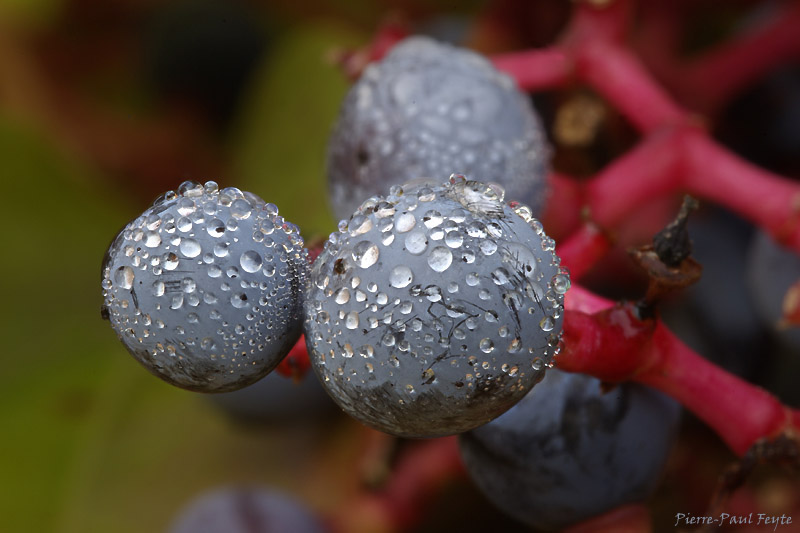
[672,244]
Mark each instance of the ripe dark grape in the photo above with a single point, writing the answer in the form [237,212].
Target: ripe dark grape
[568,452]
[429,109]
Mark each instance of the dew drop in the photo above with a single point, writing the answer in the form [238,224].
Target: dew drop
[440,259]
[188,285]
[250,261]
[425,194]
[416,243]
[488,247]
[215,228]
[388,340]
[152,239]
[241,209]
[365,254]
[432,219]
[405,222]
[159,288]
[124,277]
[342,296]
[190,248]
[486,345]
[401,276]
[561,283]
[177,301]
[184,224]
[454,239]
[239,300]
[366,351]
[351,320]
[207,343]
[359,225]
[171,261]
[221,249]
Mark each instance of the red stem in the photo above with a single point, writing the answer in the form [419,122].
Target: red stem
[730,67]
[536,69]
[583,249]
[738,411]
[417,477]
[621,78]
[767,199]
[296,364]
[647,171]
[593,24]
[613,344]
[585,301]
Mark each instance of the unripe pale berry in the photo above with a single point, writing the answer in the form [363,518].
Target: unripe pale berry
[430,109]
[435,309]
[205,287]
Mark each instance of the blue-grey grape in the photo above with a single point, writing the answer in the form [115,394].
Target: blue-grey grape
[205,287]
[276,398]
[568,452]
[429,109]
[245,510]
[434,309]
[771,270]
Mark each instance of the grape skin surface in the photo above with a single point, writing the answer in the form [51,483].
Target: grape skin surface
[567,452]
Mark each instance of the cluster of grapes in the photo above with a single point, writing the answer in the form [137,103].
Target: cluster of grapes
[435,309]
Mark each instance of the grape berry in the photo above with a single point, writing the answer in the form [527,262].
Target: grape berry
[205,287]
[245,510]
[435,309]
[568,452]
[429,109]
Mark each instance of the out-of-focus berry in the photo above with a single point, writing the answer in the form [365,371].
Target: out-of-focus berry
[245,510]
[568,452]
[429,109]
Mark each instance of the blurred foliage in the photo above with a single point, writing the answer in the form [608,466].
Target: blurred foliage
[279,147]
[29,13]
